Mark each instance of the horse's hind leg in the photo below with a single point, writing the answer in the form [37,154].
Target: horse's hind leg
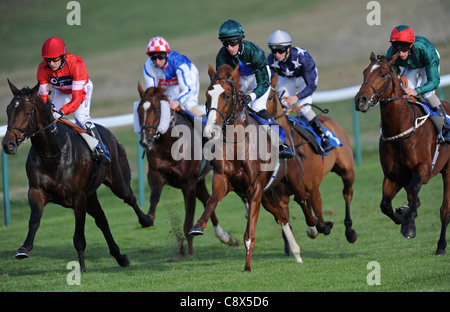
[445,213]
[119,183]
[348,178]
[95,210]
[37,201]
[223,236]
[279,209]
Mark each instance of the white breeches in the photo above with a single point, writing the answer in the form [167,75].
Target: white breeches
[82,114]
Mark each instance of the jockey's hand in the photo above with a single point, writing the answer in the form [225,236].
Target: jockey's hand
[174,104]
[246,99]
[410,91]
[58,114]
[291,100]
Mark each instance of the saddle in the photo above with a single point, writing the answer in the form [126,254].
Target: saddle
[91,142]
[434,116]
[304,129]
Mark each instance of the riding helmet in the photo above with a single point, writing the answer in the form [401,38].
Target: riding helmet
[279,39]
[158,44]
[231,29]
[53,47]
[402,33]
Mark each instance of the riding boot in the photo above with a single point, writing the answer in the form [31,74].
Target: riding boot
[100,152]
[445,138]
[317,127]
[285,151]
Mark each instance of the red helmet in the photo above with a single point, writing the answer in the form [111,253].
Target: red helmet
[158,44]
[53,47]
[402,33]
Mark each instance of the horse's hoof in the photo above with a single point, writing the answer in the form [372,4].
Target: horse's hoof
[351,236]
[440,252]
[312,232]
[147,221]
[196,230]
[22,253]
[408,232]
[124,261]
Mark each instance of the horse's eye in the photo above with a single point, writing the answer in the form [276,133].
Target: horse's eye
[383,75]
[227,96]
[157,110]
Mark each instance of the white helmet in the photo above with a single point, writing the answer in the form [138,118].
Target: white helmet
[279,39]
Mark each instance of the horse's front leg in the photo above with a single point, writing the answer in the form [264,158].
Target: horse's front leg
[390,189]
[156,183]
[189,193]
[220,188]
[408,228]
[37,199]
[255,197]
[79,240]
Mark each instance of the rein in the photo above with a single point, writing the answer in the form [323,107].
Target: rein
[25,131]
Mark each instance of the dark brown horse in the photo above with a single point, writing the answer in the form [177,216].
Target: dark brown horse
[60,170]
[338,160]
[236,166]
[407,146]
[161,129]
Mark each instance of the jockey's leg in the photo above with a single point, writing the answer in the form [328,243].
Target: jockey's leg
[317,127]
[436,105]
[100,152]
[285,151]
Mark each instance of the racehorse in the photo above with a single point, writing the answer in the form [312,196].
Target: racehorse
[407,146]
[244,173]
[158,124]
[60,170]
[338,160]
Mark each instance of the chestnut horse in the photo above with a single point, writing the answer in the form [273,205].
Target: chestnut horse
[60,170]
[407,146]
[165,163]
[338,160]
[244,173]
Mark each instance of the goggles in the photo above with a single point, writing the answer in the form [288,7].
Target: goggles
[403,47]
[279,50]
[158,56]
[231,42]
[54,60]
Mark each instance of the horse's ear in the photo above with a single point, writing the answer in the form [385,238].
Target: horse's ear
[13,88]
[235,71]
[274,81]
[211,72]
[393,59]
[373,57]
[141,91]
[35,89]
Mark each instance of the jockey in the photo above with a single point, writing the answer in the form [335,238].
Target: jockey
[176,73]
[66,73]
[253,69]
[418,57]
[297,71]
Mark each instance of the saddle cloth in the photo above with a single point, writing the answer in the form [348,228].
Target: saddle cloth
[303,127]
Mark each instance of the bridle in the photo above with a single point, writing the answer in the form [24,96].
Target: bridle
[145,127]
[384,87]
[25,132]
[232,116]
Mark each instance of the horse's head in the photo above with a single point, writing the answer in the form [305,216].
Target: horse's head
[223,102]
[378,82]
[273,102]
[22,119]
[154,114]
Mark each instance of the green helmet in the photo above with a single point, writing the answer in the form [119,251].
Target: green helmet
[231,29]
